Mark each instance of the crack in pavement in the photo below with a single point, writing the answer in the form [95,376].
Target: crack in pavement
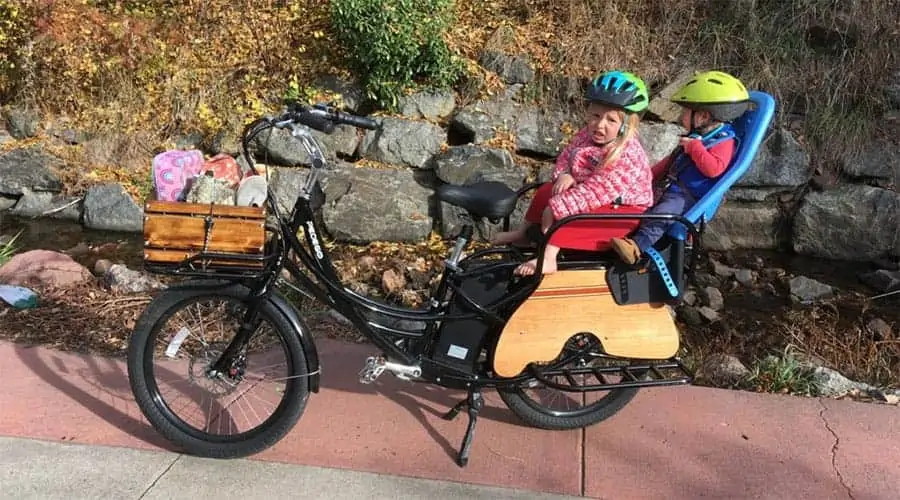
[160,476]
[834,448]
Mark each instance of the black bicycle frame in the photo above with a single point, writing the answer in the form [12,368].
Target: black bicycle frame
[331,291]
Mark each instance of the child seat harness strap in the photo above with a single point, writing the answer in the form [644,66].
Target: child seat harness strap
[681,160]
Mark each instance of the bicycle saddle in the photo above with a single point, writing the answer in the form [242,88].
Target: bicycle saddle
[490,199]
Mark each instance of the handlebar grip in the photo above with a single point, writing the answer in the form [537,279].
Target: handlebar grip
[356,121]
[315,121]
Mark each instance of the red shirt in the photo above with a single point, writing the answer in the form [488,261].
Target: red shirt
[710,162]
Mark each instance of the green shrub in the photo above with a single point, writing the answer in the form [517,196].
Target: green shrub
[393,44]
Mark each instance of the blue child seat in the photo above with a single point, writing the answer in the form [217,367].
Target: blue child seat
[750,129]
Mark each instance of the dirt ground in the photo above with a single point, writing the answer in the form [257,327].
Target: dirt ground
[763,320]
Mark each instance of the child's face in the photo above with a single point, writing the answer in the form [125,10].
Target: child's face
[603,122]
[701,119]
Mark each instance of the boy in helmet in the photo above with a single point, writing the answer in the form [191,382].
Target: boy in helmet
[709,102]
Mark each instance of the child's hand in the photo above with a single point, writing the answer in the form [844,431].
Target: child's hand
[563,182]
[684,141]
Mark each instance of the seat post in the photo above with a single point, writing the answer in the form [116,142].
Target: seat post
[461,242]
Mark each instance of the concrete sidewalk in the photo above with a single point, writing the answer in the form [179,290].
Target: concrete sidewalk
[683,442]
[34,469]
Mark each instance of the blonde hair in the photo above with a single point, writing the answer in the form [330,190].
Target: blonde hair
[631,122]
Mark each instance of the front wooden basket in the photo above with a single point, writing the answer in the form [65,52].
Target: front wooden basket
[215,235]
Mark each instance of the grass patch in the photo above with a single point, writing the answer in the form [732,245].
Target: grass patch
[8,249]
[784,373]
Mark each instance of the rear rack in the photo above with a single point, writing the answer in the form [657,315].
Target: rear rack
[639,375]
[206,265]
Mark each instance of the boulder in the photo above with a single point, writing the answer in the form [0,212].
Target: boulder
[850,222]
[43,268]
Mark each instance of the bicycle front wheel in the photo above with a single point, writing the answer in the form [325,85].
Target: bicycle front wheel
[246,408]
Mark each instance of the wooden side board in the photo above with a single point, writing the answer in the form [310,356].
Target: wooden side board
[189,233]
[579,301]
[184,208]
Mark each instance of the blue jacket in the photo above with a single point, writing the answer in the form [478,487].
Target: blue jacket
[687,173]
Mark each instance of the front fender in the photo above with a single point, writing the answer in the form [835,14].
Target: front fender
[305,335]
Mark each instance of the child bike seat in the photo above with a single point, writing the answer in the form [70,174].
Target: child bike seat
[490,199]
[750,130]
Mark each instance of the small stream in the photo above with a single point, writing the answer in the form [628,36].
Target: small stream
[84,245]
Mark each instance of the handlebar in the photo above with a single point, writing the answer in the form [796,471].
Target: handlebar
[322,118]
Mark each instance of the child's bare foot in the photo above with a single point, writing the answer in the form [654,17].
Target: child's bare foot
[528,268]
[627,249]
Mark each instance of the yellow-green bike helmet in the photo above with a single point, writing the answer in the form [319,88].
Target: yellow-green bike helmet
[723,95]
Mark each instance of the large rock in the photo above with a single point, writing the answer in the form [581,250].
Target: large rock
[278,147]
[43,268]
[723,370]
[893,89]
[879,160]
[28,168]
[849,222]
[452,219]
[43,204]
[660,105]
[744,225]
[537,131]
[368,204]
[780,162]
[754,194]
[659,139]
[7,203]
[108,207]
[512,69]
[428,104]
[286,183]
[478,122]
[409,143]
[808,290]
[22,122]
[466,164]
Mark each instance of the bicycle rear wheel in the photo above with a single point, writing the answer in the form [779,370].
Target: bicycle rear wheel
[548,408]
[245,409]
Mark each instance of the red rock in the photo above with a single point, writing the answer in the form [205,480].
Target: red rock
[43,268]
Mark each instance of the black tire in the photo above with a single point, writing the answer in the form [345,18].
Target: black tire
[535,414]
[166,422]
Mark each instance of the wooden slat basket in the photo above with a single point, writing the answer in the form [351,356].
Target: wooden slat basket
[176,231]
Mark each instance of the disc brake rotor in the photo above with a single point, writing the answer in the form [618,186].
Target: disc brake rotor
[223,383]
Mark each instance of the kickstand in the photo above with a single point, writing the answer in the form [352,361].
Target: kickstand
[474,402]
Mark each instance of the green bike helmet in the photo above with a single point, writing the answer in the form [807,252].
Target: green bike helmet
[619,89]
[723,95]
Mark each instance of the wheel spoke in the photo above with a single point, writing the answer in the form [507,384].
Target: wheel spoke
[248,396]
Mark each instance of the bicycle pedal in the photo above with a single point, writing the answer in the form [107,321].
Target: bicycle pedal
[373,369]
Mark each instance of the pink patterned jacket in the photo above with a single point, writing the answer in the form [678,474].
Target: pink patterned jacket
[628,178]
